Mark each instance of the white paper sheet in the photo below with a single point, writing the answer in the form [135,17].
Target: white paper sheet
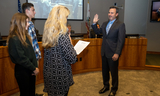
[80,46]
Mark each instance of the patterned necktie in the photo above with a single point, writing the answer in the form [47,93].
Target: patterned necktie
[108,27]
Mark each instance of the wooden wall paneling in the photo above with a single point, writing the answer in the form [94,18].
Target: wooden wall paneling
[144,49]
[4,51]
[41,64]
[142,56]
[39,78]
[1,51]
[133,52]
[1,68]
[132,41]
[143,52]
[138,53]
[127,56]
[91,54]
[89,57]
[40,74]
[123,59]
[8,79]
[98,41]
[133,56]
[79,65]
[99,57]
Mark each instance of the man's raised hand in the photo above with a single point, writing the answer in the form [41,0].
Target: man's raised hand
[95,19]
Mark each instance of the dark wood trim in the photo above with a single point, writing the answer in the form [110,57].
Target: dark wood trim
[10,92]
[152,67]
[131,68]
[86,70]
[152,52]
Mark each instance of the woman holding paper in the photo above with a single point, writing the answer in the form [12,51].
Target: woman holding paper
[59,53]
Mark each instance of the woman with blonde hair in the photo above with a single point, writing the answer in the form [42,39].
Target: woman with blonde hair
[22,54]
[59,53]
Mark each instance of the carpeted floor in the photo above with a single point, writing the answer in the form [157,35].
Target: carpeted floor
[131,83]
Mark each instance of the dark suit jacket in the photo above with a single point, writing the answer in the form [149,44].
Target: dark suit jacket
[113,41]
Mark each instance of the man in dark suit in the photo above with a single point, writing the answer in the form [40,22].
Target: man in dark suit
[113,40]
[70,31]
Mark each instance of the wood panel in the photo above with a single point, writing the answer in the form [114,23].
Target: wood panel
[3,51]
[152,67]
[91,57]
[123,60]
[8,79]
[133,57]
[39,77]
[133,54]
[98,57]
[40,66]
[79,65]
[152,52]
[1,67]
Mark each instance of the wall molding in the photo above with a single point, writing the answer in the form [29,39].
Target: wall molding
[152,52]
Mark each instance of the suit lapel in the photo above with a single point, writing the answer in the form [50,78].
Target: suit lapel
[105,27]
[112,26]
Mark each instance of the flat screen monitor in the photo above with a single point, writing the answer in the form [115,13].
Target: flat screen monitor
[155,11]
[43,8]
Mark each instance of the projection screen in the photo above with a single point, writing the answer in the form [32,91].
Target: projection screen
[43,8]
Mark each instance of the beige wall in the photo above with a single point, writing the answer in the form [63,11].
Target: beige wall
[152,33]
[9,7]
[137,21]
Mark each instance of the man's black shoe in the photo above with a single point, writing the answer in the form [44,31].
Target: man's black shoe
[112,93]
[104,89]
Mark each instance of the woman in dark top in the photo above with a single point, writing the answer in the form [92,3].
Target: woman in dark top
[22,54]
[59,53]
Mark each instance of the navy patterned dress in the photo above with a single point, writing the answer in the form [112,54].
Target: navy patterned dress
[57,70]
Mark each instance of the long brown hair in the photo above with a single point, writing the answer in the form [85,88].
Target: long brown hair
[18,28]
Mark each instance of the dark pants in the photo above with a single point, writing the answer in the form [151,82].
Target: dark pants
[66,94]
[25,80]
[109,65]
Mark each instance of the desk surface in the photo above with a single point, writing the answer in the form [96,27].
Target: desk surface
[78,34]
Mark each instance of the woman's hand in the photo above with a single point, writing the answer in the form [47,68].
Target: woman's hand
[36,71]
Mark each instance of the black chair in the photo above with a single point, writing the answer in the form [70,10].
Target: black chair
[2,42]
[0,36]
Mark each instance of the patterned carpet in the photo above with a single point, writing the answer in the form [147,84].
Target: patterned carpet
[131,83]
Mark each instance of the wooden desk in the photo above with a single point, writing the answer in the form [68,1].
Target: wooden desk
[133,54]
[133,57]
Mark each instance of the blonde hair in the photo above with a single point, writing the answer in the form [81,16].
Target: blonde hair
[55,24]
[18,28]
